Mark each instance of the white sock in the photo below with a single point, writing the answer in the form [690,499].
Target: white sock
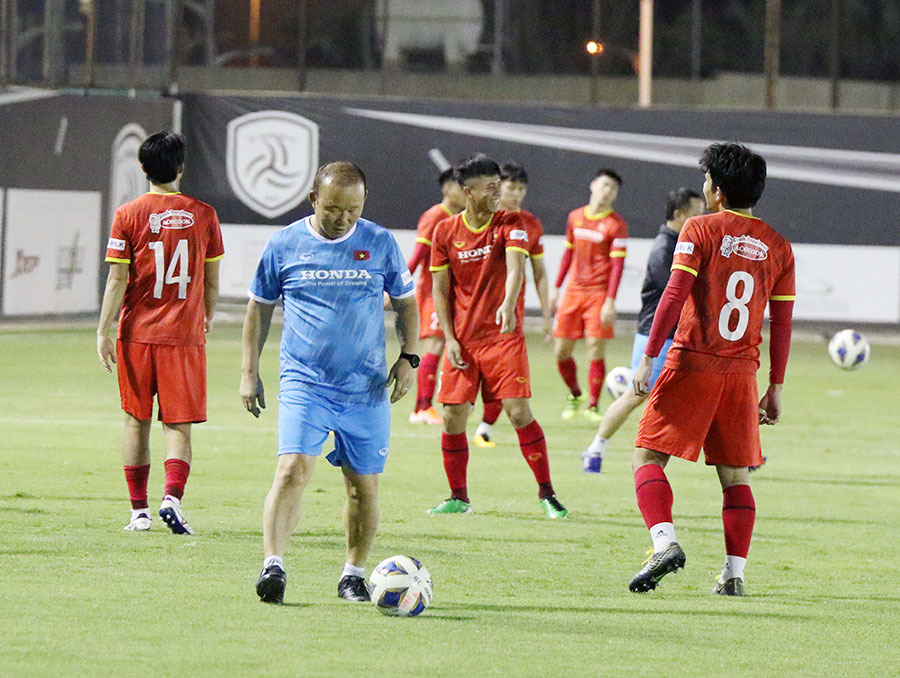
[484,429]
[662,534]
[273,560]
[135,513]
[353,571]
[598,446]
[734,567]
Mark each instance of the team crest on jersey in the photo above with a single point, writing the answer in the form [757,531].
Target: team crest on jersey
[271,159]
[459,244]
[171,219]
[744,246]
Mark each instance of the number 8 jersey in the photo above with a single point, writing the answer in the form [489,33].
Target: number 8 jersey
[166,240]
[740,263]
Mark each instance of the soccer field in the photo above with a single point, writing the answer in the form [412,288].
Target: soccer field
[515,594]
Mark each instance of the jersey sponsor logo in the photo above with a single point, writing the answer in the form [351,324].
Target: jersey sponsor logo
[522,380]
[171,219]
[305,258]
[336,274]
[473,254]
[744,246]
[115,244]
[518,234]
[383,452]
[271,158]
[684,248]
[588,234]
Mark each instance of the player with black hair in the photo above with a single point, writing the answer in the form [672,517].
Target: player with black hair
[727,266]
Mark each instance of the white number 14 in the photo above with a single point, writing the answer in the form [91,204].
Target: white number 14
[179,261]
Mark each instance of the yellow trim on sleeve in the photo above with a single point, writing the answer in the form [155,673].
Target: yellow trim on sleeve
[423,241]
[518,249]
[617,254]
[214,258]
[570,245]
[783,297]
[435,269]
[540,255]
[681,267]
[113,260]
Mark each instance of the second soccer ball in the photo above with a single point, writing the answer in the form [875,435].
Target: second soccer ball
[618,381]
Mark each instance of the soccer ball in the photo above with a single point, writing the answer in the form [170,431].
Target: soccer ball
[849,349]
[401,586]
[618,381]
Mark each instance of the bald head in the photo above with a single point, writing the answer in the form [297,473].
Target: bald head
[340,173]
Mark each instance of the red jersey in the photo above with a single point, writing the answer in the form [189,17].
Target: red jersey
[535,230]
[740,263]
[476,259]
[166,240]
[424,235]
[595,239]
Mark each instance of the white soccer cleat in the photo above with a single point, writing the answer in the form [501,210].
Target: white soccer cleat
[140,522]
[171,513]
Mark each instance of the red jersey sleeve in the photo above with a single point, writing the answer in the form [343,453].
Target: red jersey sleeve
[535,237]
[619,235]
[118,248]
[688,251]
[784,289]
[440,258]
[515,234]
[215,249]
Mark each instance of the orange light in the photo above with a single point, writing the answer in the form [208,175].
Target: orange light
[593,47]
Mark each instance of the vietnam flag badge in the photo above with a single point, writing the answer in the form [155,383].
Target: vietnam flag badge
[361,255]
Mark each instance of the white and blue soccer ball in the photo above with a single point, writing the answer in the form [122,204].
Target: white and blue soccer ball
[849,349]
[618,380]
[400,586]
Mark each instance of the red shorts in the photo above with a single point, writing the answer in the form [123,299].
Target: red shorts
[175,374]
[690,410]
[499,368]
[579,316]
[428,320]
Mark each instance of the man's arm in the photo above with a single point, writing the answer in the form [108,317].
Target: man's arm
[403,374]
[210,291]
[542,286]
[440,291]
[780,322]
[256,330]
[515,274]
[116,284]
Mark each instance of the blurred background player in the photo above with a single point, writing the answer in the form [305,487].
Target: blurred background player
[334,374]
[682,204]
[432,339]
[726,267]
[164,250]
[513,188]
[477,259]
[595,251]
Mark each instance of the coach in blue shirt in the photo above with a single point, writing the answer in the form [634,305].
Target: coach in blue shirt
[331,269]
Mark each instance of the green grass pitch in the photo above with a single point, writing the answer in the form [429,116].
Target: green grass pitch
[515,594]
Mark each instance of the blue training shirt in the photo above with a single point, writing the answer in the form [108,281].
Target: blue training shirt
[333,337]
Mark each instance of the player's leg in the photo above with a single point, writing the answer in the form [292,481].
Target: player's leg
[360,523]
[596,347]
[482,437]
[738,517]
[564,347]
[136,462]
[611,421]
[178,467]
[455,453]
[426,381]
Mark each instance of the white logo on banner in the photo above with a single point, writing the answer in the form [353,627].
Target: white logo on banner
[127,180]
[271,159]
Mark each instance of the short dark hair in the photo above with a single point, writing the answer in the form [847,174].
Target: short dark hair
[162,155]
[738,171]
[679,199]
[341,171]
[479,165]
[448,174]
[513,171]
[607,172]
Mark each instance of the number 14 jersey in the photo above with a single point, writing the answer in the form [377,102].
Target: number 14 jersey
[166,239]
[741,263]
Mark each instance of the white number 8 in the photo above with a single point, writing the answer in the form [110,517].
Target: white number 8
[738,304]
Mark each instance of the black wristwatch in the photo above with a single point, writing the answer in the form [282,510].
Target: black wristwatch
[412,359]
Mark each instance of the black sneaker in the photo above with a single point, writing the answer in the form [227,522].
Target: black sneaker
[730,587]
[271,583]
[353,589]
[657,566]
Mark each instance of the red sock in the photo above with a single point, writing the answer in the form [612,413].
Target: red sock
[137,477]
[654,494]
[455,449]
[534,449]
[426,380]
[738,516]
[492,412]
[176,477]
[569,373]
[595,380]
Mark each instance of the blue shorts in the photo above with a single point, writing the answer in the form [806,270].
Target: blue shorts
[640,343]
[361,430]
